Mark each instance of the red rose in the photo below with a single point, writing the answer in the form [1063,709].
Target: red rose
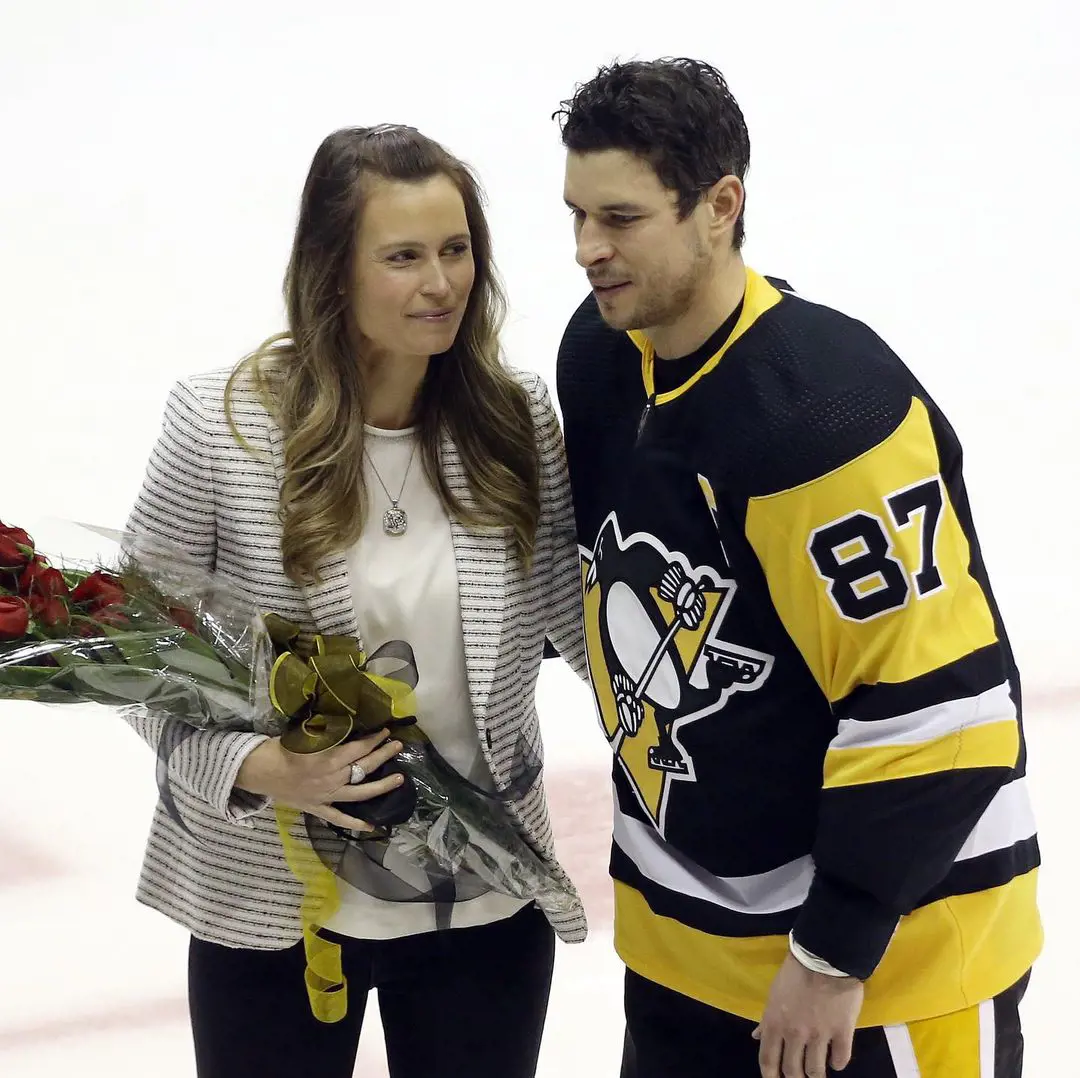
[40,579]
[11,557]
[100,588]
[50,612]
[14,618]
[18,535]
[16,548]
[109,615]
[184,618]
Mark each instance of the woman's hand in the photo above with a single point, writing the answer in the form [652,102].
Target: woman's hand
[312,782]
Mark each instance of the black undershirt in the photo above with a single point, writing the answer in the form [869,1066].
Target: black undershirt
[669,374]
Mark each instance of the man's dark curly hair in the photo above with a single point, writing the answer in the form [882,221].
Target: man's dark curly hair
[678,114]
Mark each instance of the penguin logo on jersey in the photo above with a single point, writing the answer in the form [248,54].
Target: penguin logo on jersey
[656,657]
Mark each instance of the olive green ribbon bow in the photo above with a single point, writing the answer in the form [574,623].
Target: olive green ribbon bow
[327,698]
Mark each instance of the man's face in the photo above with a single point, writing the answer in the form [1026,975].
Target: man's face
[645,265]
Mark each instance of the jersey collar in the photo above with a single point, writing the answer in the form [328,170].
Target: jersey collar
[759,297]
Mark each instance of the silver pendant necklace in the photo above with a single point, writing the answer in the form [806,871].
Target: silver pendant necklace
[395,521]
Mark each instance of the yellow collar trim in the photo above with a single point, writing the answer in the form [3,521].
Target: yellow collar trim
[759,297]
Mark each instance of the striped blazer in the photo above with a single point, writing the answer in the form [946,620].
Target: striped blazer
[225,880]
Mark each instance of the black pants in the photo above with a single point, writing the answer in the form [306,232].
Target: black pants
[669,1034]
[463,1003]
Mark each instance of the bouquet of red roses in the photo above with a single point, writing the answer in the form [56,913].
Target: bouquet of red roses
[156,632]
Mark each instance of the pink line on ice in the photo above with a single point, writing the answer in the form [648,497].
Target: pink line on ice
[21,863]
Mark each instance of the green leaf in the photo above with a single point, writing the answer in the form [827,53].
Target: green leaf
[74,577]
[116,684]
[30,682]
[137,647]
[203,667]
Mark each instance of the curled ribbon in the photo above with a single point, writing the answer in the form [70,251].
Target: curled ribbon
[324,979]
[336,693]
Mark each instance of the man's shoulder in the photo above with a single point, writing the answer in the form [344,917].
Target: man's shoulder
[816,389]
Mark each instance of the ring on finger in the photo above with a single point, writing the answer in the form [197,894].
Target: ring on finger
[357,774]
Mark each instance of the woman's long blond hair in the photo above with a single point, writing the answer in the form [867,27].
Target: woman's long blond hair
[311,381]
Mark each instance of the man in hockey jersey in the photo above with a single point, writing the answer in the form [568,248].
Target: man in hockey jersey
[824,853]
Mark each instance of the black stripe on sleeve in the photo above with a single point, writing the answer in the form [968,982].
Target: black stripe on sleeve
[975,673]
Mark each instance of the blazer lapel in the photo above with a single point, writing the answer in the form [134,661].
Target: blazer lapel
[482,563]
[329,601]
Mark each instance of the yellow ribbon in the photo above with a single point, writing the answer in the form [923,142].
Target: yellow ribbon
[326,697]
[324,978]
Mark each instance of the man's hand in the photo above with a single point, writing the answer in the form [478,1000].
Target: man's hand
[809,1022]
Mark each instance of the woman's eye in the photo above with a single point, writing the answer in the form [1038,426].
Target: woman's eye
[402,256]
[459,249]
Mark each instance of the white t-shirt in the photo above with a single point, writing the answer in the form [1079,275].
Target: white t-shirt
[405,587]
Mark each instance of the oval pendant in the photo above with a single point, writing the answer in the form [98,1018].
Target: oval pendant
[394,521]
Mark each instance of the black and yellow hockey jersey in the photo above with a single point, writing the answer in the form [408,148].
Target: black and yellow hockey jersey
[799,664]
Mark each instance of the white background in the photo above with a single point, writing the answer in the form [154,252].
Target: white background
[915,165]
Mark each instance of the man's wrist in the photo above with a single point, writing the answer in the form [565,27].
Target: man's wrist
[811,961]
[849,929]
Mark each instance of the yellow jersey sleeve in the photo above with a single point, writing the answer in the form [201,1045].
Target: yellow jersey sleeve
[870,568]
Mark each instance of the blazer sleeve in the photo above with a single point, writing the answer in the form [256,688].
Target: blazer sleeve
[564,612]
[176,504]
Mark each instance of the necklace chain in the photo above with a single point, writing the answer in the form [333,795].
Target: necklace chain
[395,519]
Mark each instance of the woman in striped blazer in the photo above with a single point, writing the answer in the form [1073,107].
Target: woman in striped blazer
[377,472]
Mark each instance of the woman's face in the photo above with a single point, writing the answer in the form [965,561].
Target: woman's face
[413,268]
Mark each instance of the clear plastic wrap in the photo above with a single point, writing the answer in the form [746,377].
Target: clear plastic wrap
[459,842]
[154,631]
